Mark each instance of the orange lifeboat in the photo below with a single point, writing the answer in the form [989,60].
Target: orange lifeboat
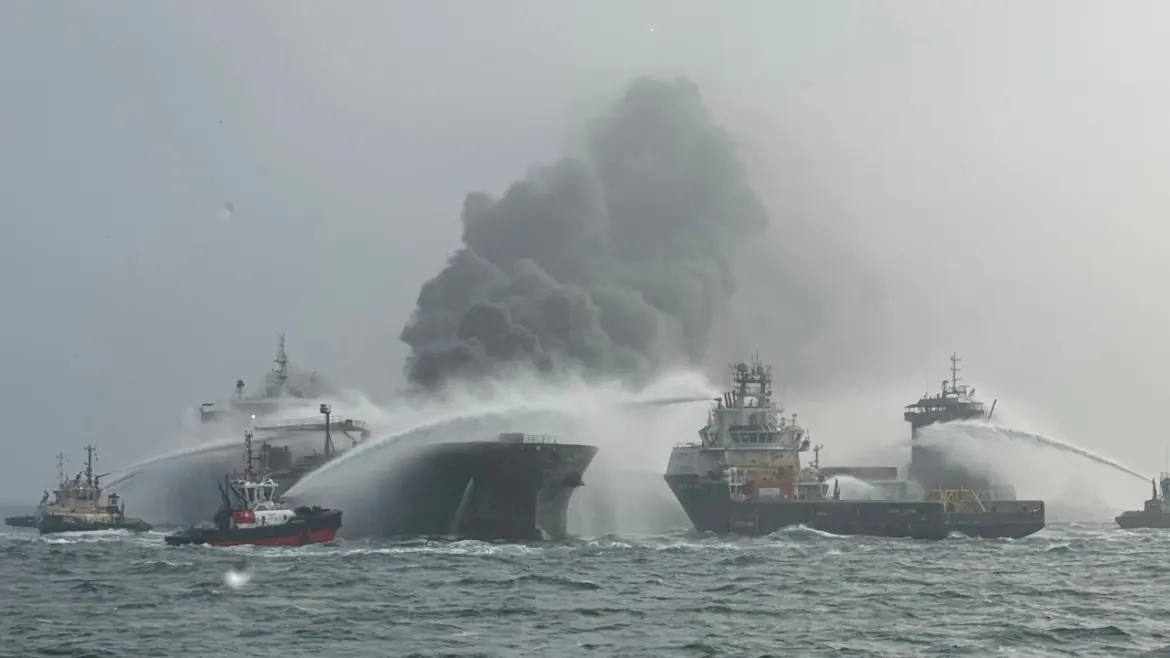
[245,516]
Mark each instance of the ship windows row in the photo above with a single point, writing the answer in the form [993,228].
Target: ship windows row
[756,437]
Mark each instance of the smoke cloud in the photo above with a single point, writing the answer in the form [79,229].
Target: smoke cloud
[617,263]
[590,265]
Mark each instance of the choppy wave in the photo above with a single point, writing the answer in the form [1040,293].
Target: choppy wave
[1072,589]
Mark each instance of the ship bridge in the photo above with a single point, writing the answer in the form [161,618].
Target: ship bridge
[932,468]
[955,402]
[746,417]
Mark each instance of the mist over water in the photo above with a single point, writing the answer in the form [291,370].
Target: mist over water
[1076,484]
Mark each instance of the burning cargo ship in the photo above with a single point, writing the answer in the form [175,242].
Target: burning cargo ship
[514,487]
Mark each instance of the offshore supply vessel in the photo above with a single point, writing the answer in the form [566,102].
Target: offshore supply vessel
[1155,513]
[745,475]
[77,506]
[975,504]
[253,514]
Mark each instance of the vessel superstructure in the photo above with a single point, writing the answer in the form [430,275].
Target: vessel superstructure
[279,392]
[976,504]
[283,437]
[930,467]
[77,505]
[745,475]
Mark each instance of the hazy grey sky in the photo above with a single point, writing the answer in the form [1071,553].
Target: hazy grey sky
[997,167]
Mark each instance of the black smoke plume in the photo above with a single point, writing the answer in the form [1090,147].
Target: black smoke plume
[613,264]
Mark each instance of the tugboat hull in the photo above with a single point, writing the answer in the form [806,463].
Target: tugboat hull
[711,509]
[317,527]
[1140,519]
[54,523]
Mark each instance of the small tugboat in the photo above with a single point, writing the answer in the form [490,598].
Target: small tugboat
[1155,513]
[77,506]
[252,514]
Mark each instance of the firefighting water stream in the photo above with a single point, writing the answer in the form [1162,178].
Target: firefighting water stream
[954,434]
[633,429]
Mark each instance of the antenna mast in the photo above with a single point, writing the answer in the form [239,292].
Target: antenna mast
[955,372]
[249,474]
[90,457]
[281,362]
[326,410]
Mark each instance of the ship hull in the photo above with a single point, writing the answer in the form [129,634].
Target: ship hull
[710,508]
[319,527]
[27,521]
[1012,524]
[1138,519]
[54,523]
[483,490]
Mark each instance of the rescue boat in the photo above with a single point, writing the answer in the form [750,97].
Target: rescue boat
[251,514]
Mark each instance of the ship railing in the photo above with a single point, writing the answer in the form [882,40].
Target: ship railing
[518,437]
[335,422]
[686,444]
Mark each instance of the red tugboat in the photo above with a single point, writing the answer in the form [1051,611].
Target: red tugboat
[251,514]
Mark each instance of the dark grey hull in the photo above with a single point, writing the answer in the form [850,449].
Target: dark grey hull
[1139,519]
[999,524]
[710,509]
[26,521]
[482,490]
[52,523]
[488,491]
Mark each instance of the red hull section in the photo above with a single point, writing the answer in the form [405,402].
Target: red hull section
[316,537]
[309,526]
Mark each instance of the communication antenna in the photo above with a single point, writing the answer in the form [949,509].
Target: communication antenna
[90,458]
[326,410]
[249,474]
[281,362]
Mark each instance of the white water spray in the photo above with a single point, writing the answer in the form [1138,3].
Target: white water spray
[939,434]
[1075,483]
[534,410]
[852,488]
[229,434]
[624,489]
[634,429]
